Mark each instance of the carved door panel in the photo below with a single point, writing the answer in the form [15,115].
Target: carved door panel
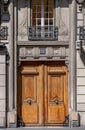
[56,94]
[32,94]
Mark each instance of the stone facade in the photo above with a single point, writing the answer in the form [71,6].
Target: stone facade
[16,47]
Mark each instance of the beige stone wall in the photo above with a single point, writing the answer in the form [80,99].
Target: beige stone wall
[2,90]
[80,66]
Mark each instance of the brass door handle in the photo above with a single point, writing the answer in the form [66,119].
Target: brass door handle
[56,101]
[29,102]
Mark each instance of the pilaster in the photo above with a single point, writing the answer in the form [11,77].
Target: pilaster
[11,112]
[72,53]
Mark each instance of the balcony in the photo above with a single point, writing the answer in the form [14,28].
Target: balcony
[82,33]
[3,32]
[43,33]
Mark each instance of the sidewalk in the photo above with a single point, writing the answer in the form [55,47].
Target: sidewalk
[44,128]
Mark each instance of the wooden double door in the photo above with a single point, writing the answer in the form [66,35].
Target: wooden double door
[42,93]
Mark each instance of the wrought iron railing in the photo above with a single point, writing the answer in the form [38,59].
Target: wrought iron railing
[43,33]
[82,33]
[3,32]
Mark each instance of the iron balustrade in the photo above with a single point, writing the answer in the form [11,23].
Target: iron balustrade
[82,33]
[3,32]
[43,33]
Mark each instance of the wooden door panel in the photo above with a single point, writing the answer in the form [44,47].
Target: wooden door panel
[55,99]
[32,92]
[57,87]
[56,114]
[30,114]
[29,83]
[29,98]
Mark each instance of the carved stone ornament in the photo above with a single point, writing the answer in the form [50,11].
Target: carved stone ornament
[80,1]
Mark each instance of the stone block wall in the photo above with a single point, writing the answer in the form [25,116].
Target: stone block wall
[2,90]
[80,67]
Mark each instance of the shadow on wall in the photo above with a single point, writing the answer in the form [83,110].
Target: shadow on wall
[82,55]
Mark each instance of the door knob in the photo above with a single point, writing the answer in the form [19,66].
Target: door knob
[56,101]
[29,102]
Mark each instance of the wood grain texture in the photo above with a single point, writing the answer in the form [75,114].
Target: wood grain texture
[43,93]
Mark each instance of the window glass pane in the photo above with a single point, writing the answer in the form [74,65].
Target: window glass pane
[51,2]
[46,15]
[33,22]
[38,15]
[51,22]
[33,9]
[50,15]
[50,9]
[34,15]
[39,22]
[45,8]
[39,9]
[46,22]
[45,2]
[34,2]
[38,2]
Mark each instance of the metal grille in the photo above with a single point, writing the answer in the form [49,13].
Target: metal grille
[82,33]
[3,32]
[43,33]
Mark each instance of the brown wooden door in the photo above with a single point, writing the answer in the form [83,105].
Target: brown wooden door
[30,107]
[56,93]
[43,93]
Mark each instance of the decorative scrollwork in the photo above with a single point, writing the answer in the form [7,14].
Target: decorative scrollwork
[66,121]
[3,32]
[43,33]
[82,33]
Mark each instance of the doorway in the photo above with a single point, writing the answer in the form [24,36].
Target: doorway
[42,93]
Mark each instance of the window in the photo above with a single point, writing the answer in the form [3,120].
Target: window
[42,13]
[42,20]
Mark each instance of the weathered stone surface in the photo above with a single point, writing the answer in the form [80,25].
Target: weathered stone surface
[2,80]
[2,58]
[2,93]
[81,107]
[2,121]
[2,114]
[22,20]
[73,116]
[2,69]
[81,90]
[80,98]
[81,72]
[12,118]
[82,121]
[2,105]
[81,81]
